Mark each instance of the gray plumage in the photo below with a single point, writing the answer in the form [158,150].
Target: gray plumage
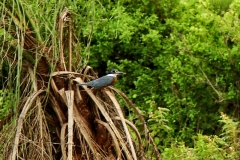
[100,82]
[104,81]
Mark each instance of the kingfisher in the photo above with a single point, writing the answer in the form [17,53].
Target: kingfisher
[104,81]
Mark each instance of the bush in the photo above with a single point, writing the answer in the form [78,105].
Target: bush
[182,58]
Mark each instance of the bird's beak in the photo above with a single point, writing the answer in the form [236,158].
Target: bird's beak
[121,72]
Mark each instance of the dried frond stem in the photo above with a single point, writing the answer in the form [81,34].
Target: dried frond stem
[135,129]
[112,135]
[147,132]
[118,108]
[26,107]
[70,100]
[63,142]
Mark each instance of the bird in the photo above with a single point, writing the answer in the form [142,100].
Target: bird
[104,81]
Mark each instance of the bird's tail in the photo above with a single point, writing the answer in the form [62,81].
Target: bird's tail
[81,84]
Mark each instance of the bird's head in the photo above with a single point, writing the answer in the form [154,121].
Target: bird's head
[115,72]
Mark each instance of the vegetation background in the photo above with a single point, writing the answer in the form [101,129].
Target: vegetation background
[182,59]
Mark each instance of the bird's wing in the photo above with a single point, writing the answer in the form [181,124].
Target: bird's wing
[101,82]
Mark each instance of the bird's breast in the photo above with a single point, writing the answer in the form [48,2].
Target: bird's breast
[114,80]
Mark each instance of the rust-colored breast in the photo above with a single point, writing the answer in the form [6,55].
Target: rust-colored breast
[114,80]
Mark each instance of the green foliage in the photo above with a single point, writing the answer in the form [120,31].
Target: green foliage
[158,124]
[220,5]
[182,58]
[209,147]
[5,103]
